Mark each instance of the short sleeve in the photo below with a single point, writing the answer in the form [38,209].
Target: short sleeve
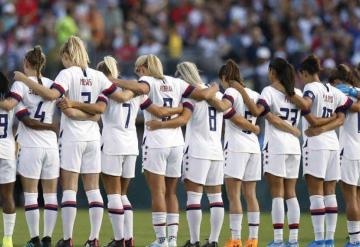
[229,113]
[343,103]
[62,82]
[107,87]
[230,94]
[102,98]
[188,103]
[17,91]
[309,92]
[185,88]
[145,102]
[265,100]
[146,80]
[21,111]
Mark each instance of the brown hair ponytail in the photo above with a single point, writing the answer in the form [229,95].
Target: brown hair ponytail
[37,60]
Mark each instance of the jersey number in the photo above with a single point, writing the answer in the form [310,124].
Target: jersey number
[212,118]
[327,112]
[128,114]
[86,97]
[248,117]
[288,112]
[3,124]
[38,113]
[168,102]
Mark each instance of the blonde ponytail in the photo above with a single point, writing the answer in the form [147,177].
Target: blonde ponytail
[75,49]
[153,65]
[109,67]
[189,73]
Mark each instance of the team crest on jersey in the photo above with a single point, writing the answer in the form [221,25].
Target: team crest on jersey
[85,82]
[166,88]
[328,98]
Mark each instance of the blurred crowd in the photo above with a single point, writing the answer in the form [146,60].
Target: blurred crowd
[204,31]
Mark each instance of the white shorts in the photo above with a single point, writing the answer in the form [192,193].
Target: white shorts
[163,161]
[243,166]
[282,165]
[118,165]
[7,171]
[38,163]
[322,164]
[81,157]
[350,171]
[203,171]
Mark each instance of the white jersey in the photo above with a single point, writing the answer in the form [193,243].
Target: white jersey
[37,108]
[349,135]
[326,100]
[277,141]
[7,142]
[84,86]
[203,131]
[237,139]
[167,92]
[119,135]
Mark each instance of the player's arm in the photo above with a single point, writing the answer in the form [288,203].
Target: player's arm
[355,107]
[8,104]
[179,121]
[160,111]
[79,115]
[139,88]
[255,109]
[282,125]
[199,94]
[241,122]
[314,131]
[122,96]
[37,125]
[220,105]
[92,108]
[318,121]
[47,94]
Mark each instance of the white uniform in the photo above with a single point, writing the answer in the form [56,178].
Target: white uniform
[7,148]
[203,159]
[119,142]
[321,153]
[242,149]
[163,148]
[281,149]
[349,138]
[80,140]
[39,155]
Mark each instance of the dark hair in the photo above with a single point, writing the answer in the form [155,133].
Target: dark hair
[285,73]
[37,60]
[311,64]
[4,86]
[343,73]
[230,71]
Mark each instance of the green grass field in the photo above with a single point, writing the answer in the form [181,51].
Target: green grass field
[144,233]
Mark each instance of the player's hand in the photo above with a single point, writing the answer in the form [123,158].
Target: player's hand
[153,125]
[333,116]
[296,132]
[19,76]
[55,128]
[65,103]
[313,131]
[257,132]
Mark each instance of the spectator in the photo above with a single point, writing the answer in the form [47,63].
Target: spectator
[66,26]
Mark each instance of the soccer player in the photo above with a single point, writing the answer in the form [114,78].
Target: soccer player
[349,138]
[79,140]
[321,147]
[119,153]
[162,149]
[203,157]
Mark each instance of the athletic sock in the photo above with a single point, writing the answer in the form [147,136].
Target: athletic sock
[331,214]
[9,224]
[68,212]
[128,218]
[194,215]
[159,224]
[278,217]
[116,215]
[317,209]
[50,213]
[216,215]
[354,231]
[96,210]
[32,213]
[235,225]
[172,222]
[253,222]
[293,215]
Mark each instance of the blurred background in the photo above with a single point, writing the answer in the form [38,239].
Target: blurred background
[206,32]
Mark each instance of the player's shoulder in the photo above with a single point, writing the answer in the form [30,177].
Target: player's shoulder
[268,89]
[47,82]
[147,79]
[251,93]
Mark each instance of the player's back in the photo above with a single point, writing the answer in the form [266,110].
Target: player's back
[84,85]
[167,92]
[237,139]
[203,131]
[40,110]
[7,142]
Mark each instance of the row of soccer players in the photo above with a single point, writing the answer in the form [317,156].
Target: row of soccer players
[89,93]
